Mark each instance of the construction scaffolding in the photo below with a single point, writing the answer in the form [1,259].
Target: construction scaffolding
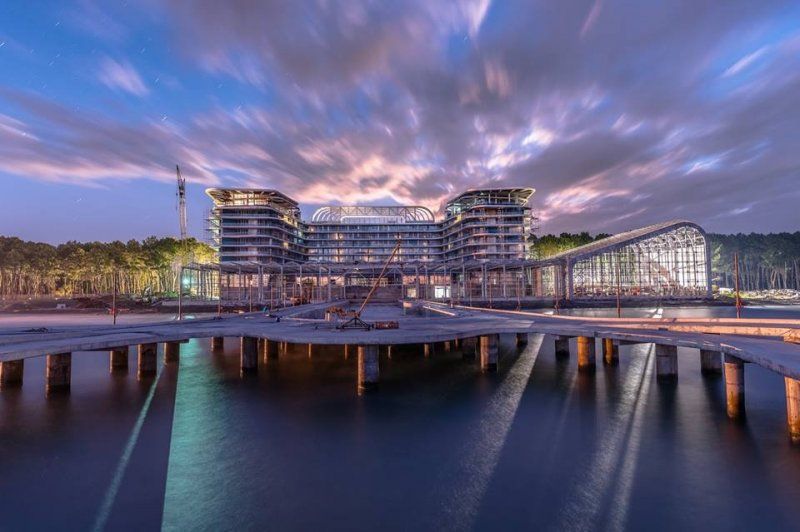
[665,261]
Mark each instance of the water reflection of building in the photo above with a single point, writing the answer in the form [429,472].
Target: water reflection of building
[478,251]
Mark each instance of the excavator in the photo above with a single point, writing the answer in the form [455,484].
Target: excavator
[353,317]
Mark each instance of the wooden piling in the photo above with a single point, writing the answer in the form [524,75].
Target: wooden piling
[118,359]
[11,372]
[489,350]
[146,360]
[248,354]
[59,372]
[172,352]
[710,362]
[793,408]
[610,352]
[734,386]
[666,362]
[368,368]
[586,353]
[561,346]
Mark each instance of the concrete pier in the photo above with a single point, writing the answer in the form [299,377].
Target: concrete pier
[118,359]
[217,343]
[793,408]
[368,368]
[146,360]
[666,362]
[346,351]
[469,348]
[734,386]
[562,346]
[710,362]
[428,349]
[248,354]
[610,352]
[59,372]
[522,339]
[586,353]
[446,346]
[268,350]
[172,352]
[488,347]
[11,373]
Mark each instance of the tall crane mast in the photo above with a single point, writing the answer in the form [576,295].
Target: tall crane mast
[181,201]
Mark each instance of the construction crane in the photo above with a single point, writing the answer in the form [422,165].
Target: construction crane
[181,201]
[355,321]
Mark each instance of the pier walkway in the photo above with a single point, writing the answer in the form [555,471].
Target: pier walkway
[725,345]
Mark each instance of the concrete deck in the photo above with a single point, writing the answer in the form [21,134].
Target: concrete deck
[756,341]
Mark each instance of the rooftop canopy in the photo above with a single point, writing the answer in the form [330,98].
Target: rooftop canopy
[224,197]
[488,196]
[366,214]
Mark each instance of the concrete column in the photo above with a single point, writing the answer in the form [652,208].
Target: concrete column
[793,408]
[368,368]
[666,362]
[469,346]
[586,353]
[428,350]
[610,352]
[217,343]
[59,371]
[389,351]
[457,343]
[522,338]
[710,362]
[309,350]
[446,346]
[488,346]
[146,360]
[172,352]
[346,351]
[734,386]
[248,354]
[118,359]
[267,349]
[11,373]
[562,346]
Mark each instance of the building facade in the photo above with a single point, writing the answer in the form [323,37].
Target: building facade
[264,226]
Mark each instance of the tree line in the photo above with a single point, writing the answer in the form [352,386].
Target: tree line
[149,267]
[766,261]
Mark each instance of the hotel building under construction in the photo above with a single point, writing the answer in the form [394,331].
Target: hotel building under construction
[478,250]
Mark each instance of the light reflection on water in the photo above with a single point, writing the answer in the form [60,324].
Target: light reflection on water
[438,446]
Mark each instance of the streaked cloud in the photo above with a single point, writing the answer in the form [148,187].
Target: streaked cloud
[121,76]
[619,113]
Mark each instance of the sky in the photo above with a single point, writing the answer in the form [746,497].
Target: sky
[620,113]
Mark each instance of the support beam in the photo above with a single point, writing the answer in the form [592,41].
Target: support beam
[562,346]
[710,362]
[793,408]
[586,353]
[666,362]
[11,373]
[522,339]
[146,360]
[610,352]
[172,352]
[248,354]
[118,359]
[59,372]
[217,343]
[368,368]
[734,386]
[488,346]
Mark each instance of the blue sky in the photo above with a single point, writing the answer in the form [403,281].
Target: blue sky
[620,113]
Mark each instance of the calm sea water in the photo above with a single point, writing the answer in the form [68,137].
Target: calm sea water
[439,446]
